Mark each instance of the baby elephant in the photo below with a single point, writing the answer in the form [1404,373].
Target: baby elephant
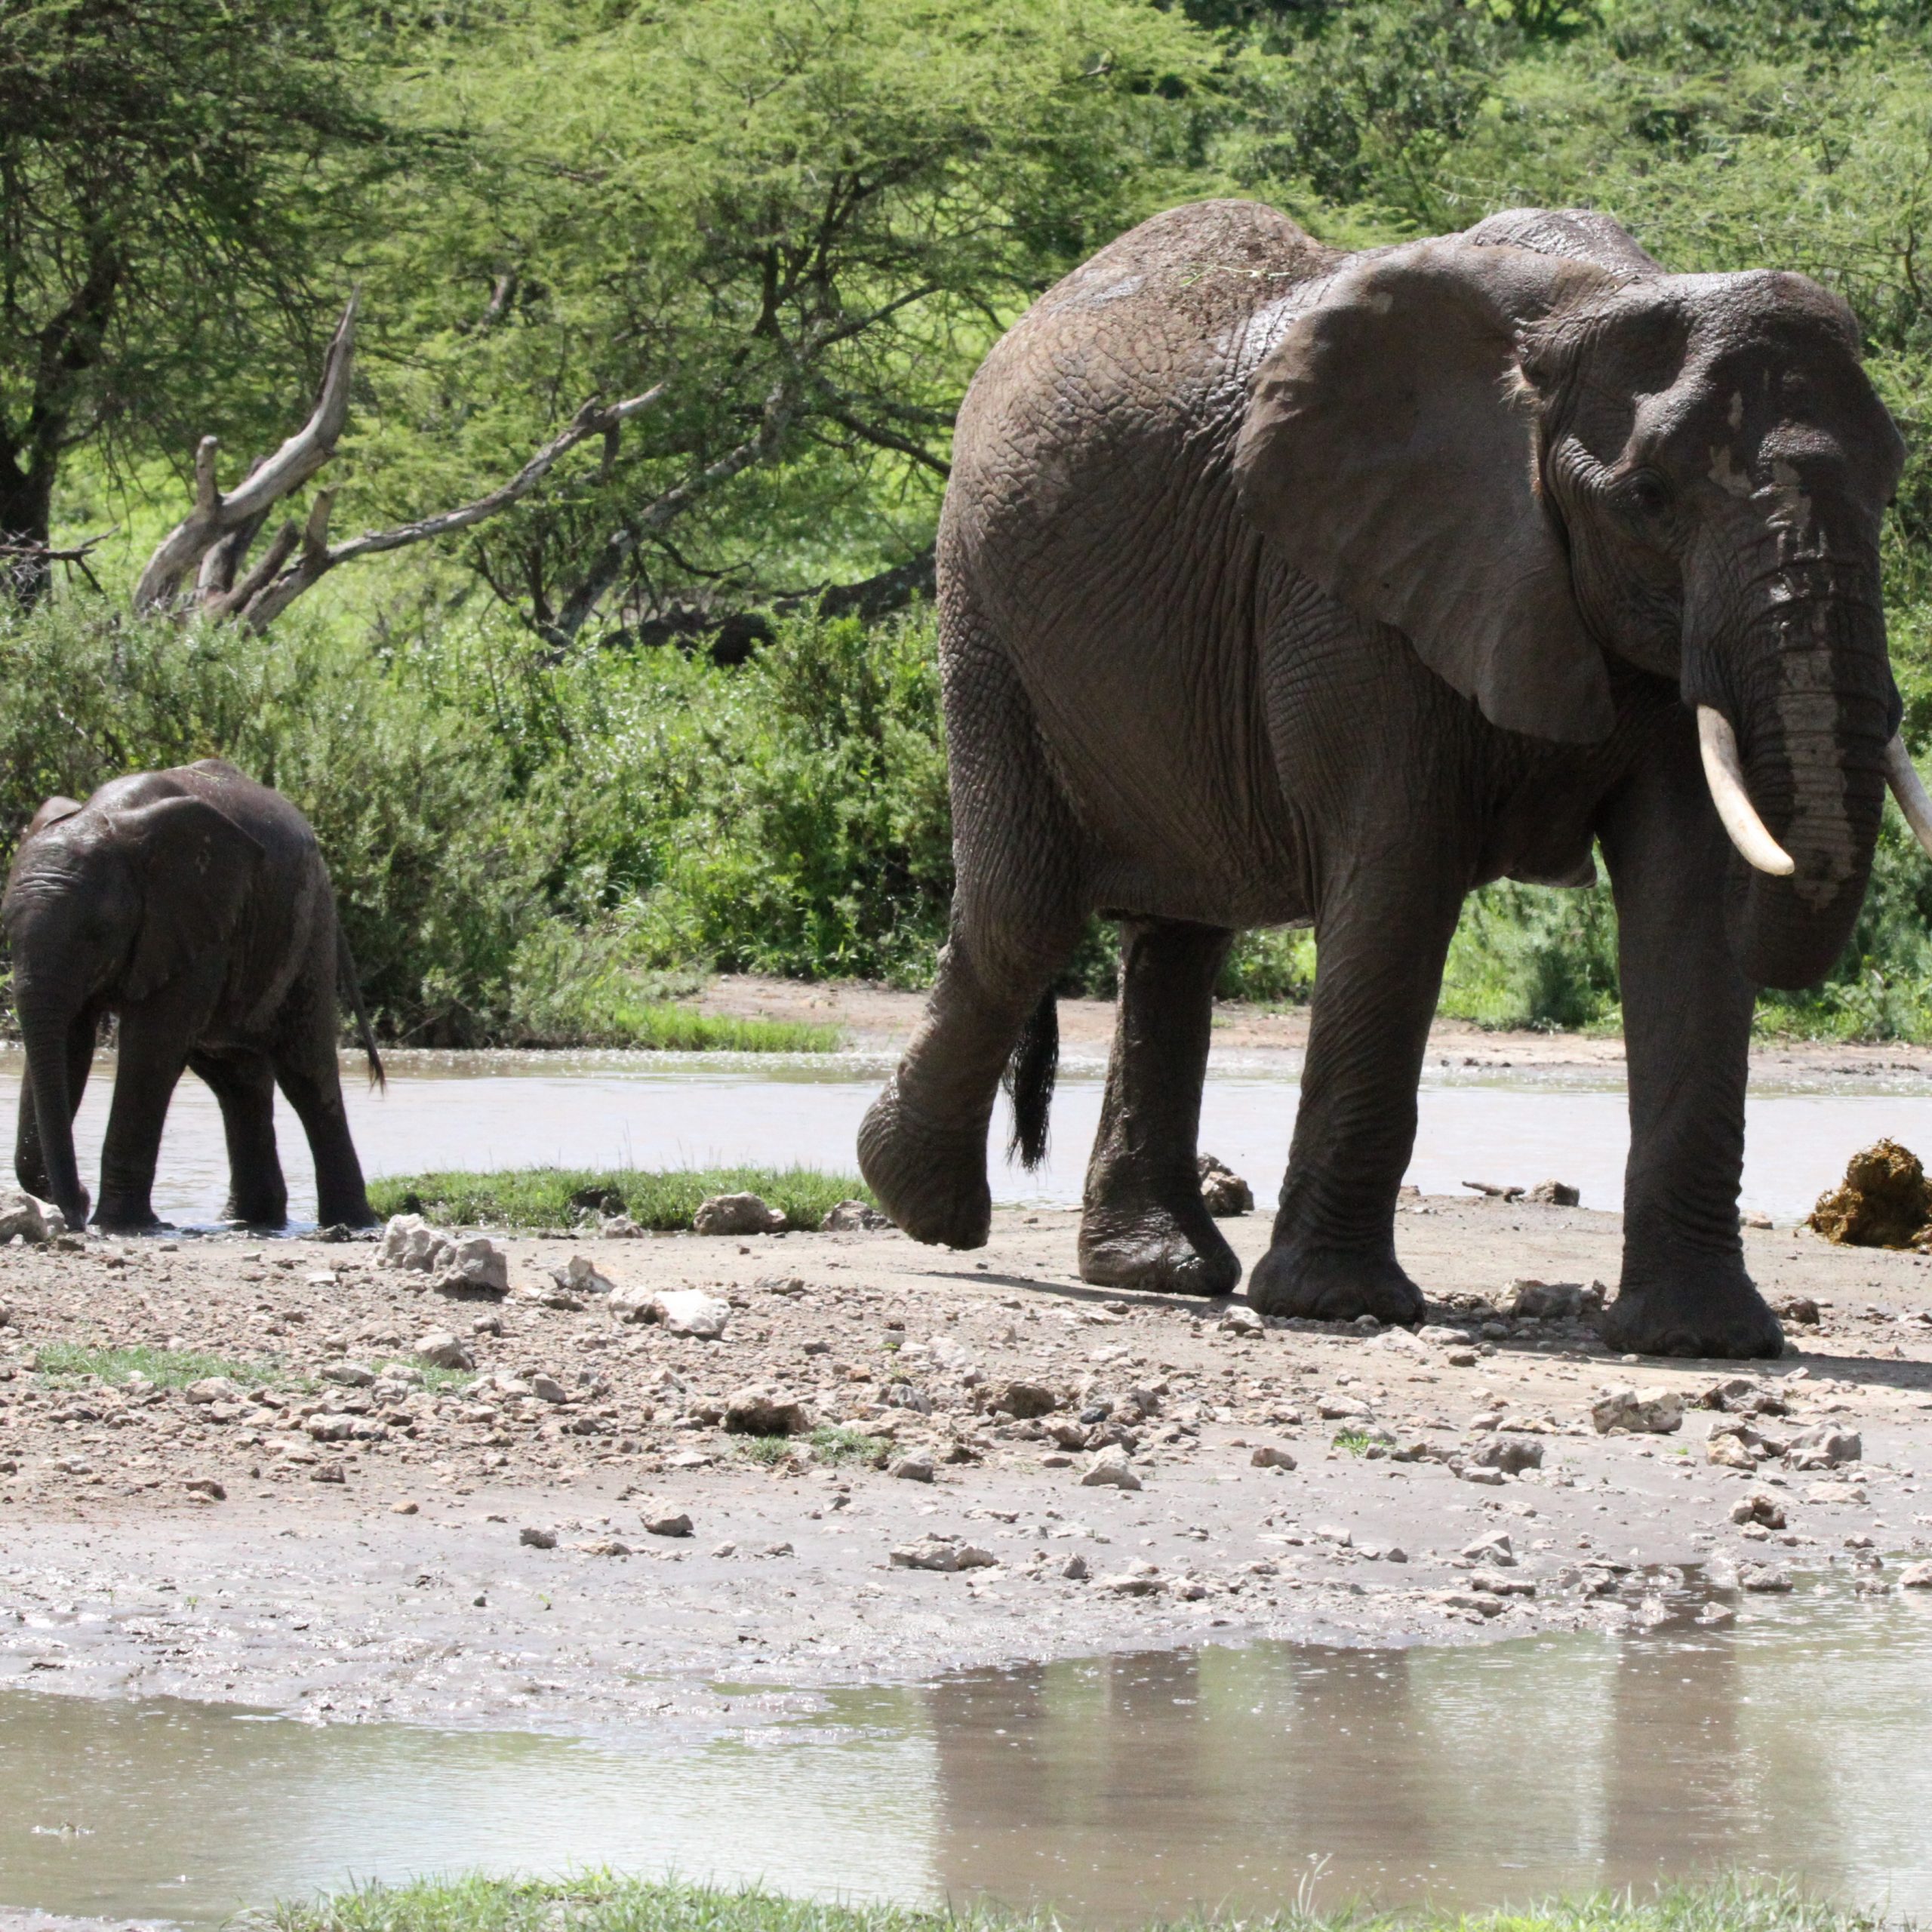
[194,904]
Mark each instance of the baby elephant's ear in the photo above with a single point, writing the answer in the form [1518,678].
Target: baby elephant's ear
[194,867]
[52,813]
[1389,452]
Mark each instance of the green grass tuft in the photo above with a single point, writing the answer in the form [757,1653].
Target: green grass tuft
[679,1029]
[557,1197]
[839,1442]
[767,1451]
[167,1368]
[600,1901]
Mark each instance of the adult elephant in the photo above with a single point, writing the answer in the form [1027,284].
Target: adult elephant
[195,905]
[1277,585]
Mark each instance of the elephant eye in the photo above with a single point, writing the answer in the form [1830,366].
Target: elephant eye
[1646,493]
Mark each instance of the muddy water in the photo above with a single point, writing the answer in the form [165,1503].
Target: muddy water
[652,1110]
[1117,1789]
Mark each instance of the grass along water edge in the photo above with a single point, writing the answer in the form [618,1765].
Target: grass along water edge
[600,1901]
[661,1201]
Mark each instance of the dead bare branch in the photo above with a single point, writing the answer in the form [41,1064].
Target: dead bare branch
[216,535]
[19,557]
[215,516]
[267,603]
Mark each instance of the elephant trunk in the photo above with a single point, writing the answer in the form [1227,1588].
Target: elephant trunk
[1797,710]
[45,1029]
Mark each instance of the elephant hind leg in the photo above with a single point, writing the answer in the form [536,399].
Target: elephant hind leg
[245,1086]
[1020,900]
[1143,1224]
[312,1085]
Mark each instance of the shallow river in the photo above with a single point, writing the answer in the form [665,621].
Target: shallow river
[1117,1788]
[656,1110]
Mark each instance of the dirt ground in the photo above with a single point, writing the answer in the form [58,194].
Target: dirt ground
[360,1552]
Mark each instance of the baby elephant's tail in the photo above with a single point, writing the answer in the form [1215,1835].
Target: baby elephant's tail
[346,979]
[1029,1081]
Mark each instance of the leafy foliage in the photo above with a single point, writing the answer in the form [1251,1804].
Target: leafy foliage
[806,219]
[171,172]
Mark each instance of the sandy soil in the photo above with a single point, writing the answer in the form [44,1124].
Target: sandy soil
[880,1019]
[366,1558]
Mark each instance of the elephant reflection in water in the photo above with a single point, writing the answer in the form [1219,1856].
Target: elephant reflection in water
[1143,1784]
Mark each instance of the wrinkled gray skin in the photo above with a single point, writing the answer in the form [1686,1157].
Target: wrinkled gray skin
[193,904]
[1279,585]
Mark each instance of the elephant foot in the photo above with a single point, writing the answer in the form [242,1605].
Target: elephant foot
[1174,1250]
[114,1218]
[358,1214]
[1335,1284]
[929,1180]
[266,1212]
[1724,1318]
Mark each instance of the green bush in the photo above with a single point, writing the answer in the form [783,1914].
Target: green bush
[438,879]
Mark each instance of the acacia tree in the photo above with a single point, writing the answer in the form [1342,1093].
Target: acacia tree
[804,219]
[169,169]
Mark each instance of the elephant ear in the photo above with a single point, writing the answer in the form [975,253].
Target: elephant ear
[194,867]
[51,812]
[1389,450]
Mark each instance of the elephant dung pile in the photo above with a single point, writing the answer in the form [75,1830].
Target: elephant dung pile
[1884,1201]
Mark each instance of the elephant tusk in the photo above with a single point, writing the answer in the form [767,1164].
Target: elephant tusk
[1902,775]
[1724,774]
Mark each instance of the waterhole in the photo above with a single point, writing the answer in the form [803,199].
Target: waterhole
[666,1110]
[1116,1789]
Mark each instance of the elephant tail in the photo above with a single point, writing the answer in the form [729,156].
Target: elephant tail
[351,983]
[1029,1081]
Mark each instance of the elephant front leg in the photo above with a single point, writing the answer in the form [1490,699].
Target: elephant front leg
[1687,1027]
[1380,944]
[1143,1224]
[149,1062]
[29,1157]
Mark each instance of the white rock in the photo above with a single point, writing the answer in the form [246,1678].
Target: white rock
[845,1216]
[441,1349]
[1110,1469]
[1917,1577]
[688,1312]
[212,1388]
[34,1221]
[475,1265]
[915,1467]
[942,1553]
[579,1276]
[665,1519]
[1825,1447]
[1240,1320]
[737,1214]
[1637,1412]
[410,1241]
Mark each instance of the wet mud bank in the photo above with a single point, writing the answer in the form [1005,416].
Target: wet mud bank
[345,1536]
